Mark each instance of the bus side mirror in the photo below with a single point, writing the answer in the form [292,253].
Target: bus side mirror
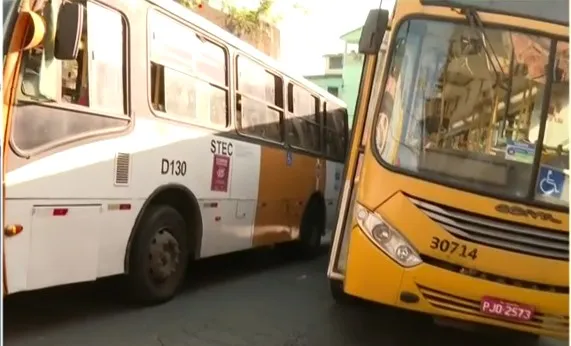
[68,32]
[37,28]
[372,33]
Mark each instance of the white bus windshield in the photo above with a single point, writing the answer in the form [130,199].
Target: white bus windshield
[553,11]
[7,7]
[448,115]
[9,12]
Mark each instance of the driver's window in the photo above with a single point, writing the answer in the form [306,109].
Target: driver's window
[94,79]
[553,178]
[74,74]
[58,100]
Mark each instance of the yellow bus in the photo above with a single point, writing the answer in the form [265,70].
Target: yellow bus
[139,136]
[456,188]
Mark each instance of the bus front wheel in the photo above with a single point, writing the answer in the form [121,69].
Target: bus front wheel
[159,255]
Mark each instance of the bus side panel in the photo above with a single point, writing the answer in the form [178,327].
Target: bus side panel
[17,248]
[228,219]
[334,172]
[271,225]
[305,176]
[86,174]
[285,181]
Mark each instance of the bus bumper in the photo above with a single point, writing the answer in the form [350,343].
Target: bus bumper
[373,276]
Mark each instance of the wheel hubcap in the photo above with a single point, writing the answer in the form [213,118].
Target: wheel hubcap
[164,254]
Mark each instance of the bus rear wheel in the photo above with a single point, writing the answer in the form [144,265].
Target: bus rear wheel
[311,230]
[159,256]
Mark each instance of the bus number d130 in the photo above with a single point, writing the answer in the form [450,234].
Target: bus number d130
[173,167]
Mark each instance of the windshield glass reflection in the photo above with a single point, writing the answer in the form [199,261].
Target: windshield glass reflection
[467,110]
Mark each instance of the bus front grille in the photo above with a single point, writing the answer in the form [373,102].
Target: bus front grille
[503,235]
[452,303]
[499,279]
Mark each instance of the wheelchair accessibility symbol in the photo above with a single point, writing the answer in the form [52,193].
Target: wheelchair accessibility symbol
[550,182]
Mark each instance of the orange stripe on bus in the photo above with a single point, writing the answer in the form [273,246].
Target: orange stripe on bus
[283,194]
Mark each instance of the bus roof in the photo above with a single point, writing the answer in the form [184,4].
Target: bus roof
[184,13]
[552,11]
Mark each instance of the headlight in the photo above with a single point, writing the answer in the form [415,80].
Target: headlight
[391,241]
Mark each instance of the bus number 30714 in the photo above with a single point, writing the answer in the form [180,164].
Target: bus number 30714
[453,247]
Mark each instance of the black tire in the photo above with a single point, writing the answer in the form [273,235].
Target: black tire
[523,339]
[311,230]
[337,292]
[160,239]
[530,339]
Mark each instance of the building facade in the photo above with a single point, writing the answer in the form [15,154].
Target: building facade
[342,73]
[332,78]
[352,67]
[267,40]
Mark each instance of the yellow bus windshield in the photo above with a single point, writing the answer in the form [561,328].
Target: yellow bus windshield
[556,12]
[480,110]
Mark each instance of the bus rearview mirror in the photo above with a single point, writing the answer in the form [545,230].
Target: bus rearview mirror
[68,32]
[373,31]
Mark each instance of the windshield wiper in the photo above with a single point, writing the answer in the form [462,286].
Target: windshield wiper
[478,26]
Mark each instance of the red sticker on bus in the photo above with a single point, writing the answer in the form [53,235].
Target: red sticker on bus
[220,170]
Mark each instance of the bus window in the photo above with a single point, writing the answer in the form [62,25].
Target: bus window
[101,73]
[335,132]
[555,153]
[188,83]
[375,95]
[260,101]
[94,80]
[303,119]
[464,124]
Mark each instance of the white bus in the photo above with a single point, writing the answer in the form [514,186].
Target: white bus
[139,136]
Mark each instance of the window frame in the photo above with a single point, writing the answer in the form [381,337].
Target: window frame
[239,95]
[331,58]
[331,88]
[60,105]
[327,114]
[291,115]
[205,37]
[527,200]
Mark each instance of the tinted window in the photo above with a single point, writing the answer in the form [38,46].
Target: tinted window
[333,91]
[335,131]
[259,101]
[304,129]
[554,187]
[188,82]
[336,62]
[94,82]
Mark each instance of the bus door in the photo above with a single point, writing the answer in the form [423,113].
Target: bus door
[367,101]
[26,31]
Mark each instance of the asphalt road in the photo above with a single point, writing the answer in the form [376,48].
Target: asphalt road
[254,298]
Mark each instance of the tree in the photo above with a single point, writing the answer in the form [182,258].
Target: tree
[245,22]
[248,22]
